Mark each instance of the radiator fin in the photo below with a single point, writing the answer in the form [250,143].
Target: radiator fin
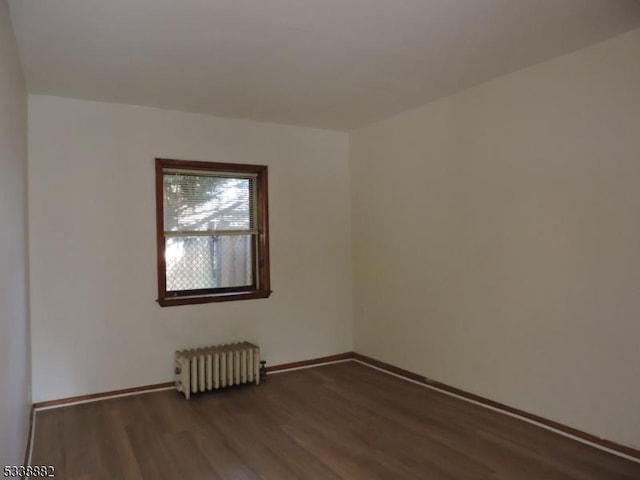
[220,366]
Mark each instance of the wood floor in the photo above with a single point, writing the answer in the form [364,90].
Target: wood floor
[341,421]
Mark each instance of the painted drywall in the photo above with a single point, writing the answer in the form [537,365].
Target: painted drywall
[15,368]
[95,322]
[496,236]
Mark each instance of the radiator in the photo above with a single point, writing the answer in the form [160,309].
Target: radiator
[221,366]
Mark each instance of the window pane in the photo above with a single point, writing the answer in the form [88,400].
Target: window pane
[202,202]
[209,262]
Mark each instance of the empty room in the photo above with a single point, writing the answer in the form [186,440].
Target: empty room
[320,239]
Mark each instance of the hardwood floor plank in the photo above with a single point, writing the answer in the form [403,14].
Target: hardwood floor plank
[151,454]
[341,421]
[255,451]
[347,460]
[226,462]
[181,446]
[82,440]
[119,451]
[48,439]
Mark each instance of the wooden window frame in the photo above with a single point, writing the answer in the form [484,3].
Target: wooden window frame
[262,267]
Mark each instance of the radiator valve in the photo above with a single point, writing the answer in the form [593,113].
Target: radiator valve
[263,370]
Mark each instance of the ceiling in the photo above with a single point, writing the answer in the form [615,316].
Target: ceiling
[336,64]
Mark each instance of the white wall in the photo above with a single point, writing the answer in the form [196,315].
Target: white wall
[496,239]
[15,380]
[95,323]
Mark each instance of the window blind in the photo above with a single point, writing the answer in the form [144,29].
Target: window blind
[208,204]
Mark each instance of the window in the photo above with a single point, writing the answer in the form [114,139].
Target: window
[212,231]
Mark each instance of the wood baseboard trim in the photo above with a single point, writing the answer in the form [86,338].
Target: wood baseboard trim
[102,395]
[585,437]
[314,362]
[167,385]
[390,368]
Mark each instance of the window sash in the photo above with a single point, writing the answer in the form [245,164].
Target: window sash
[207,233]
[254,264]
[208,173]
[212,208]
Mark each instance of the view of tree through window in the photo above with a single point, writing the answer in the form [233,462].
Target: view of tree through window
[210,229]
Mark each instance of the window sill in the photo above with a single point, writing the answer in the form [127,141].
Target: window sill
[219,297]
